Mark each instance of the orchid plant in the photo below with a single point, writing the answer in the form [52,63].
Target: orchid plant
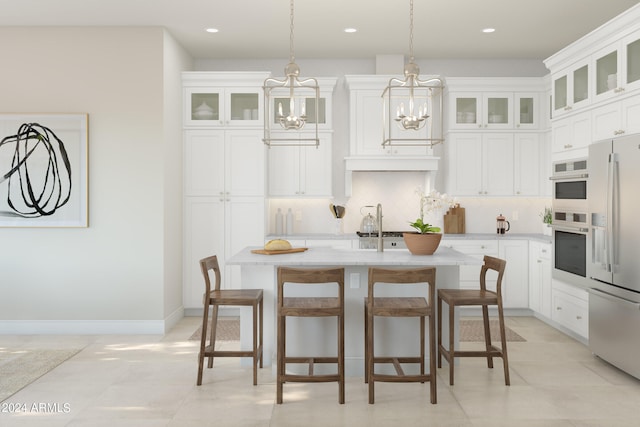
[428,203]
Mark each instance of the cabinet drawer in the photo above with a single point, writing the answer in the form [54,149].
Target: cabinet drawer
[480,248]
[571,312]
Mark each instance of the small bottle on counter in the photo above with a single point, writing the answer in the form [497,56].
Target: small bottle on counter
[289,222]
[279,221]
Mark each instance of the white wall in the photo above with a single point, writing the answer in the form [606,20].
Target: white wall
[121,271]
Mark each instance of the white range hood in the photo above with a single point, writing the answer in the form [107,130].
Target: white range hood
[427,164]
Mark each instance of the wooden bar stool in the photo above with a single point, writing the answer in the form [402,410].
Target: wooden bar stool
[401,307]
[473,297]
[309,307]
[216,297]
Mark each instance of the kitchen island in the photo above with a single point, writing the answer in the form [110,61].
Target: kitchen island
[318,335]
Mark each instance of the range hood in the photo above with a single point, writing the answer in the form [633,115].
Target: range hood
[427,164]
[391,163]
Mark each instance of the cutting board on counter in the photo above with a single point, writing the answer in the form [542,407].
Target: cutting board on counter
[285,251]
[454,221]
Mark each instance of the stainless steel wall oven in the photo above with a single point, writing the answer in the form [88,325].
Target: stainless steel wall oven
[570,230]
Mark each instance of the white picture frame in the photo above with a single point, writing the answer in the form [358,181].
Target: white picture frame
[44,165]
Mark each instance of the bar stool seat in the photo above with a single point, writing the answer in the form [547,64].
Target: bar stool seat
[309,307]
[227,297]
[475,297]
[401,307]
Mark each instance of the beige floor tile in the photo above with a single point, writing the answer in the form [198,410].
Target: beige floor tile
[149,381]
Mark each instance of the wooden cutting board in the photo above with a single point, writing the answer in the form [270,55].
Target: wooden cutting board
[454,221]
[286,251]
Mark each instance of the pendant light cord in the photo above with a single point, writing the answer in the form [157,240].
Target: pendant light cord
[291,55]
[411,31]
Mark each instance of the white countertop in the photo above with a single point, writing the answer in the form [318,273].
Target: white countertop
[469,236]
[336,257]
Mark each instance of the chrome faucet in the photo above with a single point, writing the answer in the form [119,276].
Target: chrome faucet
[379,219]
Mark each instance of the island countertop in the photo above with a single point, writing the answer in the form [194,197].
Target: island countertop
[325,256]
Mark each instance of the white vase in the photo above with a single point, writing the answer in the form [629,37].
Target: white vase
[546,229]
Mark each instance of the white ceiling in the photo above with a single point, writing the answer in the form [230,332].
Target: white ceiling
[445,29]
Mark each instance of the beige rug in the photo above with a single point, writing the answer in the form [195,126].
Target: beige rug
[20,367]
[228,330]
[473,330]
[470,330]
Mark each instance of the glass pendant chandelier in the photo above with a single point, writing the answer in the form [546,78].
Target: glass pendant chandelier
[285,105]
[412,108]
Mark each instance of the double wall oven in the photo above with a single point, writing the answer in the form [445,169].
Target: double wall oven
[570,221]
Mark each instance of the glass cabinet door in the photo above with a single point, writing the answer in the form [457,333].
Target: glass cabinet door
[465,110]
[581,84]
[632,57]
[497,110]
[283,104]
[244,107]
[607,72]
[526,113]
[560,93]
[203,107]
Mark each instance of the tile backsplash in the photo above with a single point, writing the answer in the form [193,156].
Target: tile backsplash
[400,205]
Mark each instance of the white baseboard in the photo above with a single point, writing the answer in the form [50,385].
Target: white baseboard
[82,327]
[173,319]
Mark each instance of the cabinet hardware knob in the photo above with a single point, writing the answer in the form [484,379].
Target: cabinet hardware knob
[544,251]
[539,261]
[479,125]
[518,125]
[517,192]
[558,308]
[579,317]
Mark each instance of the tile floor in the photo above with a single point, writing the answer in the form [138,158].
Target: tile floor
[148,381]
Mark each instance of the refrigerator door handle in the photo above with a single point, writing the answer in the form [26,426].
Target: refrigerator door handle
[615,298]
[611,169]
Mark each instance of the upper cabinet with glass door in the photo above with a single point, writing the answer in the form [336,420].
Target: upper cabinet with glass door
[617,68]
[213,99]
[571,88]
[477,110]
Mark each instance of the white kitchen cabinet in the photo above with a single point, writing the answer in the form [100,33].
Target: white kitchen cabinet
[572,134]
[570,308]
[222,227]
[224,163]
[365,121]
[480,164]
[221,99]
[616,119]
[617,67]
[527,110]
[481,110]
[540,278]
[301,170]
[515,283]
[529,160]
[571,88]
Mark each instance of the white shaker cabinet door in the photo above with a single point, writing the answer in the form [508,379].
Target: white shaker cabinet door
[515,282]
[245,163]
[204,162]
[498,164]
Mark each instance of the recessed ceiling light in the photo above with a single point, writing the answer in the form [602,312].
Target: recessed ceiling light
[488,30]
[350,30]
[211,30]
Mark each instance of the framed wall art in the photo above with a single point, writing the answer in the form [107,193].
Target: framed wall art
[44,170]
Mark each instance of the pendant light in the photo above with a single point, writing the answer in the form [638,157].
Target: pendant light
[286,103]
[412,108]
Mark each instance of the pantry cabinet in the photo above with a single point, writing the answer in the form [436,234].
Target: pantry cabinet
[224,173]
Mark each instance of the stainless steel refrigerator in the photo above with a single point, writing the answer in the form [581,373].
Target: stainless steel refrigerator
[613,251]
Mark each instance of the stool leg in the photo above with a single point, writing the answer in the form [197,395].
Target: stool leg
[503,338]
[422,344]
[432,359]
[261,310]
[439,332]
[366,344]
[203,342]
[214,327]
[487,335]
[370,358]
[452,310]
[280,357]
[341,357]
[255,344]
